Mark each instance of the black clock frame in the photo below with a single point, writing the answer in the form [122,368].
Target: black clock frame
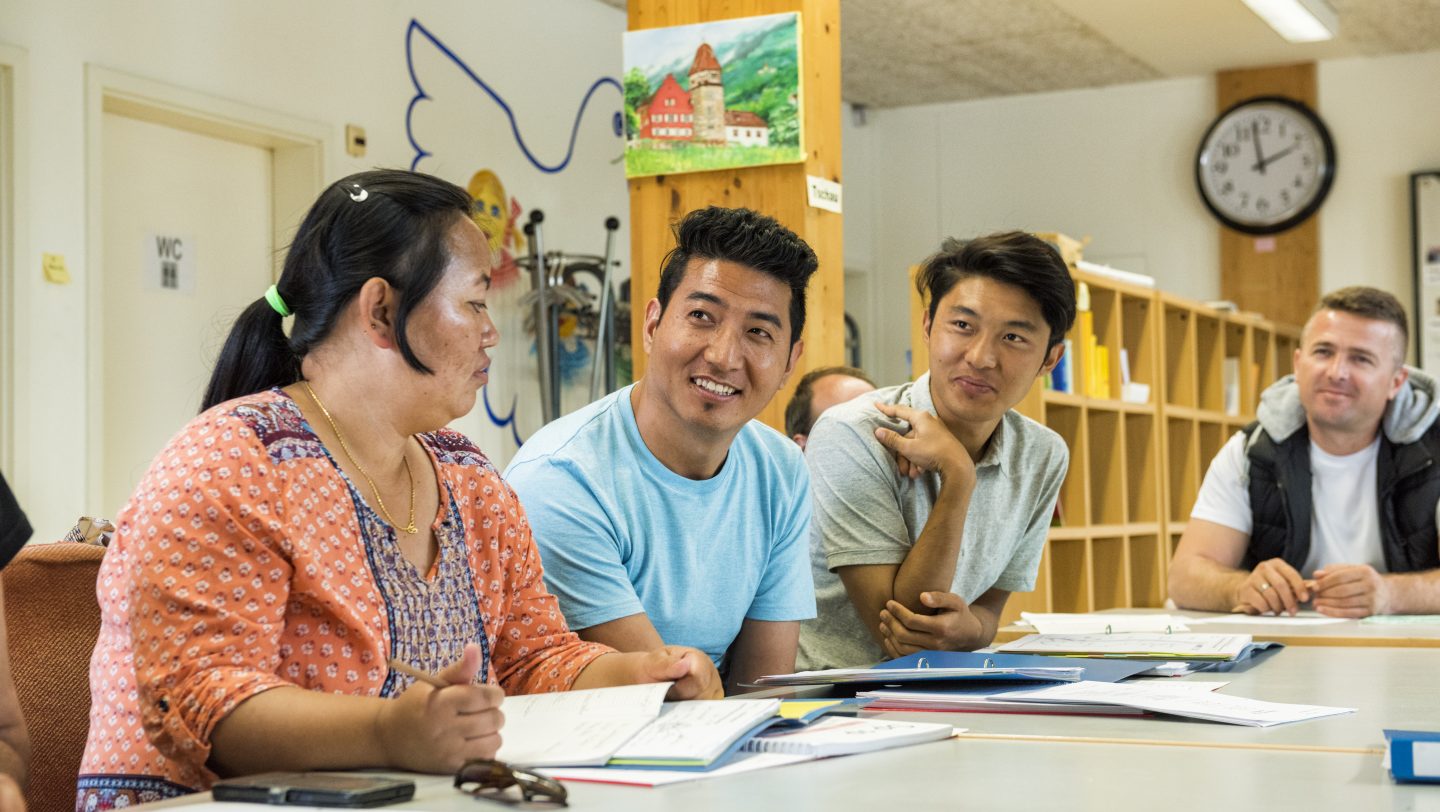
[1327,170]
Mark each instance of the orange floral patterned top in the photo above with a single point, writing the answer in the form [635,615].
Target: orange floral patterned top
[247,560]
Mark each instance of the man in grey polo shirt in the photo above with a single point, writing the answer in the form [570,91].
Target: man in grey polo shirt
[932,498]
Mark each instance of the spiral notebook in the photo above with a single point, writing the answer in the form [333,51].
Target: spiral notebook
[842,736]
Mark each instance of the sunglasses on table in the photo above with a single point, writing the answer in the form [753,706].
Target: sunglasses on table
[489,780]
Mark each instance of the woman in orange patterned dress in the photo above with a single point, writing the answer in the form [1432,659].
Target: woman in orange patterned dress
[270,565]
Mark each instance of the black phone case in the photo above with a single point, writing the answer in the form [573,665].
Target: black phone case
[315,789]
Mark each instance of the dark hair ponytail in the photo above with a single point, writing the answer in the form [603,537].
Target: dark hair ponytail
[384,223]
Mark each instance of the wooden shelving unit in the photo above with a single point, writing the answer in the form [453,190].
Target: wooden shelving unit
[1135,468]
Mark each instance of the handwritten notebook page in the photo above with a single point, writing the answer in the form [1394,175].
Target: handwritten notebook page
[696,731]
[580,728]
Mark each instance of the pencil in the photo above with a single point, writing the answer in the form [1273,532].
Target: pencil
[410,671]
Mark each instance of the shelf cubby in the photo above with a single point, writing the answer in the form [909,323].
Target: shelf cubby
[1182,466]
[1237,386]
[1137,336]
[1147,570]
[1209,360]
[1069,423]
[1107,463]
[1142,469]
[1110,573]
[1180,363]
[1070,590]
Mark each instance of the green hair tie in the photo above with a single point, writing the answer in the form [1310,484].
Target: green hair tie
[272,295]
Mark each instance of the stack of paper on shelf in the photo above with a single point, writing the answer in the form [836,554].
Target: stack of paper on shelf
[1128,277]
[1163,698]
[1140,646]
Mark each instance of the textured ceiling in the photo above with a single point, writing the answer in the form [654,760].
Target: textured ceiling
[905,52]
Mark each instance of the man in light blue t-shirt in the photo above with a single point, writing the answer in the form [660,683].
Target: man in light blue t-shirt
[664,512]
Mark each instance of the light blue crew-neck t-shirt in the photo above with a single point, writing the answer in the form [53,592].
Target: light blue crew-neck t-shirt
[619,533]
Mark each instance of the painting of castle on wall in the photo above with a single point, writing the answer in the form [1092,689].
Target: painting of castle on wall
[715,95]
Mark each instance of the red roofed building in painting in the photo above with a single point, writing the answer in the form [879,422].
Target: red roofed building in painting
[673,114]
[668,116]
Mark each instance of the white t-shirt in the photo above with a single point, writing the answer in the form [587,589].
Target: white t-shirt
[1345,511]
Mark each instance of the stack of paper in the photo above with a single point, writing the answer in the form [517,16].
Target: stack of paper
[1302,619]
[741,763]
[1137,645]
[990,699]
[840,676]
[1163,698]
[1069,623]
[841,736]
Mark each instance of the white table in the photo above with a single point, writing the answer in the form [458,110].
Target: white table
[978,774]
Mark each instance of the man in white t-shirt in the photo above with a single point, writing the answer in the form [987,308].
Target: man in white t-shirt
[1331,496]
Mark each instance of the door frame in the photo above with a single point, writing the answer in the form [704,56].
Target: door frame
[14,233]
[299,147]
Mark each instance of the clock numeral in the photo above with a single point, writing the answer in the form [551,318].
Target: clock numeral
[1227,188]
[1285,196]
[1244,200]
[1221,167]
[1306,161]
[1298,183]
[1262,205]
[1229,150]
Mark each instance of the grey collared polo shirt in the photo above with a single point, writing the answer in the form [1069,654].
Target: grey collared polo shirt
[866,513]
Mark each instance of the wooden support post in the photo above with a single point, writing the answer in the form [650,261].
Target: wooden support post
[1278,274]
[779,191]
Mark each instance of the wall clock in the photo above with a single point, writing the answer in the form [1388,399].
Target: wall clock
[1265,165]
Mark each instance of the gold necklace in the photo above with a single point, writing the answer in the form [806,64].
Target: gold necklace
[409,528]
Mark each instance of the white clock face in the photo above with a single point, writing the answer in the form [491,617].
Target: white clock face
[1265,166]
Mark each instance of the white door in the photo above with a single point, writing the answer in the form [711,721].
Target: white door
[187,246]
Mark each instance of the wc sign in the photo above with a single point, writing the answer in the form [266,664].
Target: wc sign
[169,262]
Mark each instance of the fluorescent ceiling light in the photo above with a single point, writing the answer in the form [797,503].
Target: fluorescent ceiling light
[1298,20]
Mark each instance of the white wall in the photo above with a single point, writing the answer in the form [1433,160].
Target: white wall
[328,61]
[1385,117]
[1115,164]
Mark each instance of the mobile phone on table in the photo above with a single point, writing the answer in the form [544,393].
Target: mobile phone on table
[315,789]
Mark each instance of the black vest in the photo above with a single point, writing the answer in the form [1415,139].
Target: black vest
[1408,482]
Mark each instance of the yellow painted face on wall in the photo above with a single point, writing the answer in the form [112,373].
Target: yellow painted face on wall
[492,208]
